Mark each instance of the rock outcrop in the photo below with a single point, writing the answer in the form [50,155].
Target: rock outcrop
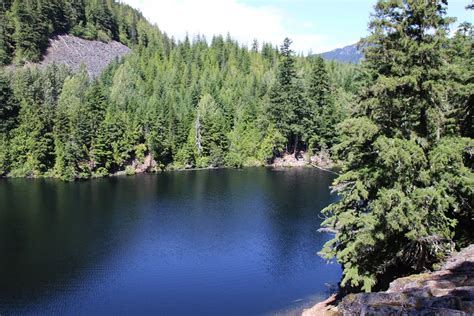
[448,291]
[320,160]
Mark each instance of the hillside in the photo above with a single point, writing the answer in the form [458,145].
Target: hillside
[73,52]
[26,28]
[347,54]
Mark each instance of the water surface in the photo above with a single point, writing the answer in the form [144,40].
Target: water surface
[213,242]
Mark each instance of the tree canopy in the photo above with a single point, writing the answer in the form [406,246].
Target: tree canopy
[190,103]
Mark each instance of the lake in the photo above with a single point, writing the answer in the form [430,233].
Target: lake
[208,242]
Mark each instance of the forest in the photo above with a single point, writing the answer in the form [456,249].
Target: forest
[401,123]
[186,103]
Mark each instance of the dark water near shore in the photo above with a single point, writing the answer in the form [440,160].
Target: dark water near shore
[213,242]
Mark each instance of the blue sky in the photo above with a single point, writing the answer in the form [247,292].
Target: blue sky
[313,25]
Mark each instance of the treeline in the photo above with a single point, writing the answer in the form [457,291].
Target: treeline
[27,25]
[407,187]
[185,104]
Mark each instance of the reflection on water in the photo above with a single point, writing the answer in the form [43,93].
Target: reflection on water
[214,242]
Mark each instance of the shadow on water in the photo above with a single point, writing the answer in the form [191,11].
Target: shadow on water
[214,241]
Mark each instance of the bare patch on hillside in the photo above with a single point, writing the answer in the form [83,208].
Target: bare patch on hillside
[74,51]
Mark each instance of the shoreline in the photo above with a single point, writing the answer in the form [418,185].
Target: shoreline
[447,290]
[149,167]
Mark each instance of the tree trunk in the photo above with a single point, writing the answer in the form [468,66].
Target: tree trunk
[296,147]
[198,136]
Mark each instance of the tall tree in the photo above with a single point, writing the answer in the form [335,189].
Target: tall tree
[70,125]
[287,106]
[9,107]
[320,123]
[397,212]
[26,36]
[6,46]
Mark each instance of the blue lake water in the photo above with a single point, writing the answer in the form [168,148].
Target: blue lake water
[211,242]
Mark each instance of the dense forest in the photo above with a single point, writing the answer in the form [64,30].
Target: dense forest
[27,25]
[191,103]
[401,123]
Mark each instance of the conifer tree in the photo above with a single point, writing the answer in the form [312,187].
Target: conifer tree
[287,106]
[8,105]
[6,48]
[26,35]
[320,123]
[69,126]
[398,210]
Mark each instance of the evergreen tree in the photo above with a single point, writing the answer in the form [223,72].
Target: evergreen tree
[8,106]
[71,133]
[100,17]
[75,12]
[6,48]
[460,74]
[398,212]
[163,98]
[320,123]
[287,106]
[209,130]
[27,36]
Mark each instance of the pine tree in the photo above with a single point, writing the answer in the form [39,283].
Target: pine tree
[320,123]
[460,71]
[98,14]
[9,107]
[70,126]
[6,48]
[287,106]
[26,36]
[398,209]
[209,130]
[75,12]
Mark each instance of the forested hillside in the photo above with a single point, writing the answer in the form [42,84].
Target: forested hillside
[27,25]
[401,122]
[193,103]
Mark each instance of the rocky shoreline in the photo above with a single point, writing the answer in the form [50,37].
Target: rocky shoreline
[447,291]
[321,160]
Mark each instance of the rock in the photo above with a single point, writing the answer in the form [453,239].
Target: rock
[289,160]
[323,308]
[448,291]
[73,52]
[322,159]
[148,164]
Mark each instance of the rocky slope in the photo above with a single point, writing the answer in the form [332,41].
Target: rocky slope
[448,291]
[73,52]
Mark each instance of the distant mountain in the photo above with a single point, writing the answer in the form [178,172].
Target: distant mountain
[347,54]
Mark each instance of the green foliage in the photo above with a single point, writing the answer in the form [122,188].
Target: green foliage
[4,154]
[406,191]
[26,25]
[27,35]
[8,105]
[287,103]
[324,113]
[210,133]
[6,49]
[70,129]
[185,104]
[402,123]
[272,144]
